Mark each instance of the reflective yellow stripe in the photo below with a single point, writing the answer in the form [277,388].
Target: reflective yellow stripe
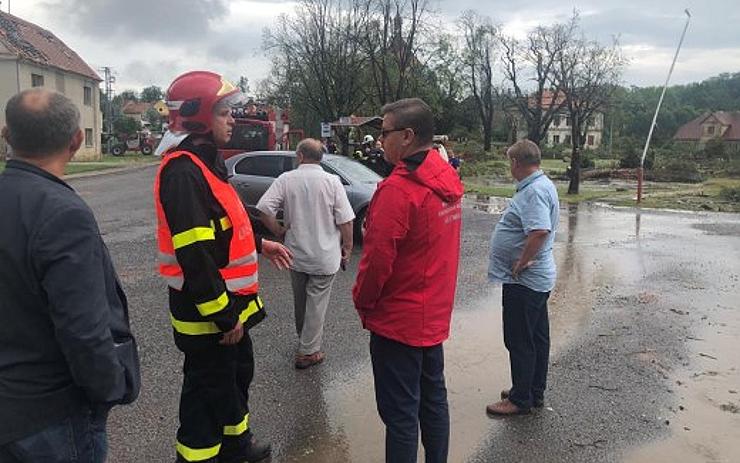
[251,309]
[216,305]
[238,429]
[193,236]
[225,223]
[202,328]
[191,454]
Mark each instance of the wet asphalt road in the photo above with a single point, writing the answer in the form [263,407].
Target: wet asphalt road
[632,292]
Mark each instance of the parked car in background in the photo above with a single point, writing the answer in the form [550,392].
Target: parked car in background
[251,174]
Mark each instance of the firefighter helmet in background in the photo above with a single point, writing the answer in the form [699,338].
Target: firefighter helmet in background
[368,139]
[193,97]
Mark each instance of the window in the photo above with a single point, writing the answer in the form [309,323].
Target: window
[556,121]
[590,140]
[37,80]
[556,139]
[60,84]
[88,138]
[249,137]
[567,139]
[710,130]
[87,95]
[568,122]
[263,166]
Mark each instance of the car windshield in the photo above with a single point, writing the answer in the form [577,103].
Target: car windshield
[356,172]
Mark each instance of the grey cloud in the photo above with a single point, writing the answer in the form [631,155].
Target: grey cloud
[657,23]
[164,21]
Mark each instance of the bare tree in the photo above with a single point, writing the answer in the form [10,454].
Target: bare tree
[317,53]
[589,73]
[478,57]
[530,67]
[392,44]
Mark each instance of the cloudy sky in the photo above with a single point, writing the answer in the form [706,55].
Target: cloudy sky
[151,41]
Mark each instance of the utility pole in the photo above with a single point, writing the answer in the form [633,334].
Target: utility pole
[109,80]
[641,170]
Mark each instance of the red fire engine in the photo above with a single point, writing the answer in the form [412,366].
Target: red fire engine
[260,128]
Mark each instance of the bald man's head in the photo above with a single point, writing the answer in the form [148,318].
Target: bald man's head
[311,149]
[40,122]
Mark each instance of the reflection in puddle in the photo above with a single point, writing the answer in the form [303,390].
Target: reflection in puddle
[485,203]
[595,248]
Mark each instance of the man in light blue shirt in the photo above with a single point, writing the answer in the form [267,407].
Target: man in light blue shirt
[521,259]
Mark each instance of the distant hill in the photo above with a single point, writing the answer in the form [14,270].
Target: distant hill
[634,107]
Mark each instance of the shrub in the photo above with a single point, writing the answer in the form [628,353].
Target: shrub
[677,170]
[490,168]
[731,194]
[732,169]
[714,149]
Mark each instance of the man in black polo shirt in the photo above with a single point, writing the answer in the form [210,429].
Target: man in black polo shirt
[66,351]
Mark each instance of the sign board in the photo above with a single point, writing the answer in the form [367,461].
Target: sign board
[325,130]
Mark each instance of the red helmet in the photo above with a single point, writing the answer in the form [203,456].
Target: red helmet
[193,96]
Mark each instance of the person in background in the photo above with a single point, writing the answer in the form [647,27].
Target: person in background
[521,258]
[67,354]
[318,231]
[405,287]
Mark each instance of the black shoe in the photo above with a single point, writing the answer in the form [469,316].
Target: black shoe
[257,451]
[254,451]
[537,402]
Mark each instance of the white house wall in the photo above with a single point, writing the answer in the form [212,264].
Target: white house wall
[12,78]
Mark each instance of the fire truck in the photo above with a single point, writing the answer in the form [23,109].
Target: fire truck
[259,127]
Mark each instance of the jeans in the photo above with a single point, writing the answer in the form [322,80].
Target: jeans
[527,338]
[80,438]
[410,393]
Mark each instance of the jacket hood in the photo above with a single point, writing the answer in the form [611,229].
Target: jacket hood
[429,169]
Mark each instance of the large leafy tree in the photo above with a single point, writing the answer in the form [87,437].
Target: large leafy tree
[152,94]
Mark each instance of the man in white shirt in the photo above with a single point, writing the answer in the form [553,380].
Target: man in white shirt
[317,228]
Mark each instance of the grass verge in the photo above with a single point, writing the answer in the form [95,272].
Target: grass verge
[108,162]
[703,196]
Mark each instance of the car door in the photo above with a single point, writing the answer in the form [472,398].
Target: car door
[254,175]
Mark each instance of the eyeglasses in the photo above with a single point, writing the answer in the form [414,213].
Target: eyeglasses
[384,133]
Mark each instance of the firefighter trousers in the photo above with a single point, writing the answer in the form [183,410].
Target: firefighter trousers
[214,410]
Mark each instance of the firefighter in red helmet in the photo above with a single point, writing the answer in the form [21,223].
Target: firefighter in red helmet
[208,257]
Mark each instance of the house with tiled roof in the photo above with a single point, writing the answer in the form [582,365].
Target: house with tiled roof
[31,56]
[559,130]
[722,125]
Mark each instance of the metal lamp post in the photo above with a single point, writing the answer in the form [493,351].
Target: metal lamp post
[641,170]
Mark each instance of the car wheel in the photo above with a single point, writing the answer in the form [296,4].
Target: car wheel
[358,225]
[117,151]
[146,150]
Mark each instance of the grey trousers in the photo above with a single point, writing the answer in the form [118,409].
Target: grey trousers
[311,299]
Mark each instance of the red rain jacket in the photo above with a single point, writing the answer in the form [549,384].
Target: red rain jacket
[405,286]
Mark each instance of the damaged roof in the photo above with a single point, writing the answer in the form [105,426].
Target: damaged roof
[30,42]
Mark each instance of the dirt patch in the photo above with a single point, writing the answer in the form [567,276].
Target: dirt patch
[722,229]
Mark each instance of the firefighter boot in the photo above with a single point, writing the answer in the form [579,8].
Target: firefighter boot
[254,452]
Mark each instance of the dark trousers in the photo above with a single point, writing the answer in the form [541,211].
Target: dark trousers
[79,438]
[410,393]
[214,410]
[527,338]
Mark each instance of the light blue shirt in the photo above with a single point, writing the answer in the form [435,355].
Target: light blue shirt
[535,206]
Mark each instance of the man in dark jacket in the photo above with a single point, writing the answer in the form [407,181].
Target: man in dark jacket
[405,287]
[66,352]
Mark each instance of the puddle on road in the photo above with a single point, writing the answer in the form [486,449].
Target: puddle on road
[477,366]
[477,362]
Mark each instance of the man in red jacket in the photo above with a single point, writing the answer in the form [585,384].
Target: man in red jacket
[405,287]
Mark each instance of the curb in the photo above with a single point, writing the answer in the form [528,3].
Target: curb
[112,170]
